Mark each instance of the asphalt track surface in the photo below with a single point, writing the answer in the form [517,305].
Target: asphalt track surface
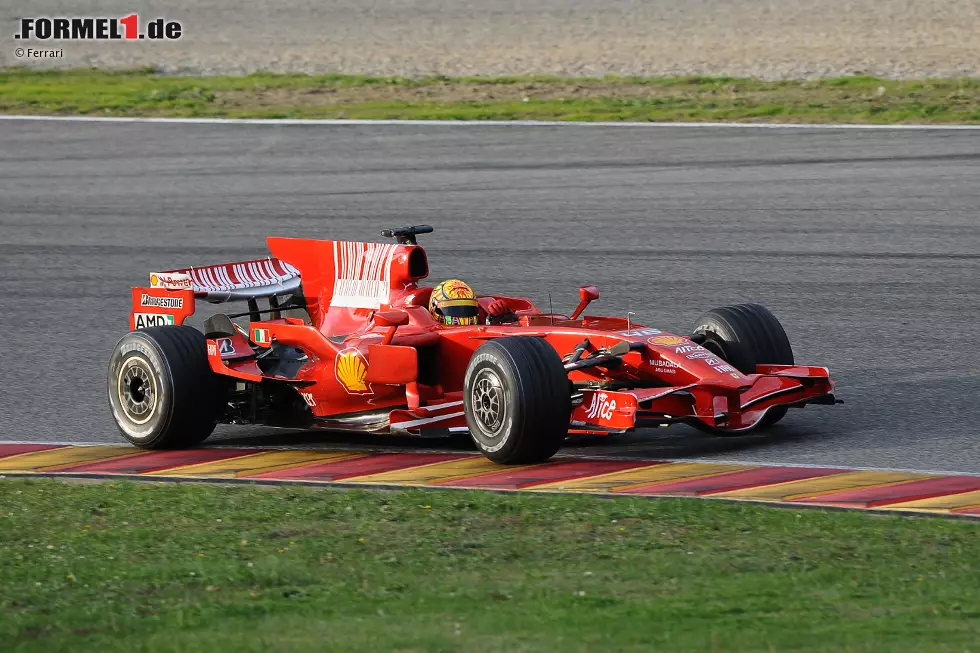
[866,245]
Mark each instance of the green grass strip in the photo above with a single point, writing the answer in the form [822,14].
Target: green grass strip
[145,93]
[137,567]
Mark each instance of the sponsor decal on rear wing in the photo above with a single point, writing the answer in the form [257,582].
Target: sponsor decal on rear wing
[171,280]
[160,307]
[144,320]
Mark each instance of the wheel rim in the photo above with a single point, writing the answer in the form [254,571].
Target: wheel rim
[137,390]
[487,401]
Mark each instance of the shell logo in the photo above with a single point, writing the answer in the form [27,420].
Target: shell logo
[154,281]
[667,340]
[351,371]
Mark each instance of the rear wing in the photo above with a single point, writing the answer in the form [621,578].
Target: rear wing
[232,281]
[339,280]
[171,296]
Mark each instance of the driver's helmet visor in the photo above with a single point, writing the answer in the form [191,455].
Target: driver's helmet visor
[458,312]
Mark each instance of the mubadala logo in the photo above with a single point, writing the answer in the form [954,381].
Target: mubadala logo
[144,320]
[162,302]
[662,366]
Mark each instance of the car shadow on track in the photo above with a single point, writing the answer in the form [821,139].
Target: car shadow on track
[655,444]
[680,443]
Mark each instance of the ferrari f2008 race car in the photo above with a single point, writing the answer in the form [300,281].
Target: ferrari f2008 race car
[345,340]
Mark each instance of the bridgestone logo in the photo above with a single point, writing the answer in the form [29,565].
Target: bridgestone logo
[162,302]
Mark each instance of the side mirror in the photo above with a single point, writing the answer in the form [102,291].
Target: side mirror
[391,320]
[587,294]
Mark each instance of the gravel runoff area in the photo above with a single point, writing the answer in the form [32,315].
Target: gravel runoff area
[770,39]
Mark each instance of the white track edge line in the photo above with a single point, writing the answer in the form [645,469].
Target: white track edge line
[482,123]
[369,449]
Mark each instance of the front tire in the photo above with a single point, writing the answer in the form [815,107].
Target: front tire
[162,392]
[746,335]
[517,400]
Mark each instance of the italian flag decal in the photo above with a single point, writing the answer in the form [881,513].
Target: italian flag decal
[261,337]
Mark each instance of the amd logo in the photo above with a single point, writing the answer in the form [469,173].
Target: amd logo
[145,320]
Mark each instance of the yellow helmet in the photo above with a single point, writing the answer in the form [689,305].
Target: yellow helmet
[453,303]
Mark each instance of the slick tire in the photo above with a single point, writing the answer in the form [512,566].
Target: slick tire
[517,400]
[162,392]
[745,335]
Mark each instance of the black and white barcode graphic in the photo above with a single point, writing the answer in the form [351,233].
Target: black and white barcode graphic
[362,274]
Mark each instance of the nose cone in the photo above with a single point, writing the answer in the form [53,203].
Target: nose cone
[678,352]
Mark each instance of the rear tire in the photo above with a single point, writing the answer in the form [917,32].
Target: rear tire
[517,400]
[162,392]
[746,335]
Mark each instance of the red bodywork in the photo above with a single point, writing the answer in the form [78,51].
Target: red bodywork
[375,360]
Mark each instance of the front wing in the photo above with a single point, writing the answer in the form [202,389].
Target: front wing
[716,406]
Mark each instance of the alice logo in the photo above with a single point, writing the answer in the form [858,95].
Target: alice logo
[351,371]
[601,407]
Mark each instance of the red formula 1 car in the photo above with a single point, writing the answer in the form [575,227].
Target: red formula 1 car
[348,343]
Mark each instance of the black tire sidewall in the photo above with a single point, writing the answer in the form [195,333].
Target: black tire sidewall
[735,351]
[137,346]
[535,391]
[747,335]
[502,445]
